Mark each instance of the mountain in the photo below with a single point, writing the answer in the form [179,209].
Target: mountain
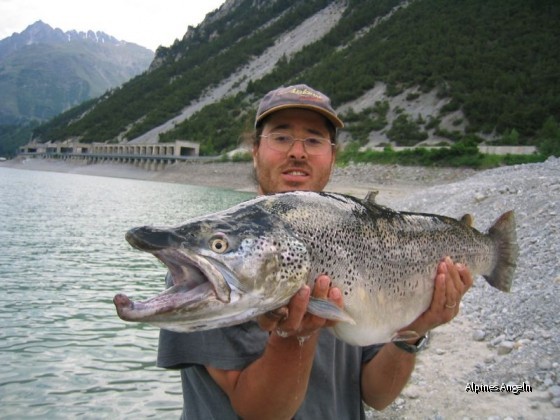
[398,71]
[45,71]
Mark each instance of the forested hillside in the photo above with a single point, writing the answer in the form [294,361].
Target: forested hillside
[494,63]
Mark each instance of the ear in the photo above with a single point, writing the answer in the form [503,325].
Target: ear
[255,151]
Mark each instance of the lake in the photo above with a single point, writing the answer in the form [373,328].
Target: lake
[65,353]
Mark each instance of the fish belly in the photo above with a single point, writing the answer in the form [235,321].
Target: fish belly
[381,312]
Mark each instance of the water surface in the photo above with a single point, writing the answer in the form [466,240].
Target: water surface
[64,351]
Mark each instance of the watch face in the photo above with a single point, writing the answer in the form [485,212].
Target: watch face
[422,342]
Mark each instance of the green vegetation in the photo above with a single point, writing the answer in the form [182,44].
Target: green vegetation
[405,132]
[188,68]
[497,62]
[208,123]
[13,136]
[359,125]
[549,138]
[462,154]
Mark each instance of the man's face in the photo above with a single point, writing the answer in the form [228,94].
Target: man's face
[295,169]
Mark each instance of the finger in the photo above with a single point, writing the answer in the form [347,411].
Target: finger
[320,291]
[439,297]
[335,296]
[321,288]
[296,311]
[269,320]
[454,285]
[278,314]
[265,323]
[453,274]
[466,276]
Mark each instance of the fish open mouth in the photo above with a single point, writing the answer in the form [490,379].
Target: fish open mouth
[196,281]
[192,270]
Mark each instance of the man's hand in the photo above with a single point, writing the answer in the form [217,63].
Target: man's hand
[451,283]
[293,319]
[273,386]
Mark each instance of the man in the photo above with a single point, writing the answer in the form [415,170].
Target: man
[288,365]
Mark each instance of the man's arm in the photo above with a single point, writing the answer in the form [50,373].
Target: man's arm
[384,376]
[274,386]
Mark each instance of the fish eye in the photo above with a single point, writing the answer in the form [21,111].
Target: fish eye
[219,244]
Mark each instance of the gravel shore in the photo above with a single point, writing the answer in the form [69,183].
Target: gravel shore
[498,338]
[509,340]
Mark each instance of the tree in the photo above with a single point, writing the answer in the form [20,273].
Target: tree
[548,138]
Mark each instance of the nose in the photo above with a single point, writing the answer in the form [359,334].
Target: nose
[297,151]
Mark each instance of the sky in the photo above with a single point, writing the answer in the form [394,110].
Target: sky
[149,23]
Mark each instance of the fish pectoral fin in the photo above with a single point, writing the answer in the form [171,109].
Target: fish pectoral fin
[328,310]
[404,335]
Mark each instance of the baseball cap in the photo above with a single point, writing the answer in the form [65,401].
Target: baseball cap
[297,96]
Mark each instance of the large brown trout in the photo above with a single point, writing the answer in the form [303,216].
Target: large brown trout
[230,266]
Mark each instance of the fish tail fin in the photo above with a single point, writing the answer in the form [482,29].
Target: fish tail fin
[504,237]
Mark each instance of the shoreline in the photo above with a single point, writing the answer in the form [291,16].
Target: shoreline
[391,181]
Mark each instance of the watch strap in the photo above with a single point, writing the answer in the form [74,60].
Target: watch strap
[412,348]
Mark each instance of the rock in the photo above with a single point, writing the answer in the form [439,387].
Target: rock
[544,364]
[505,347]
[478,335]
[490,359]
[554,391]
[480,197]
[530,335]
[411,394]
[546,335]
[498,340]
[522,342]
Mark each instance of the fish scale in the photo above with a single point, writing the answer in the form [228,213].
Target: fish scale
[258,254]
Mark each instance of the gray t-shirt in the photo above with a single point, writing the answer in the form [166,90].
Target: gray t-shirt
[334,386]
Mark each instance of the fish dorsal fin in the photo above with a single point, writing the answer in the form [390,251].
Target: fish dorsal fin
[405,335]
[370,197]
[467,219]
[328,310]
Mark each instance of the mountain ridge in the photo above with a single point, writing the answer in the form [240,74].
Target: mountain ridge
[42,33]
[400,71]
[45,71]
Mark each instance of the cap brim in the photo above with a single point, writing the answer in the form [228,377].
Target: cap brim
[337,122]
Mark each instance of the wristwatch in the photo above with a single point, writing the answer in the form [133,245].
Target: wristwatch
[412,348]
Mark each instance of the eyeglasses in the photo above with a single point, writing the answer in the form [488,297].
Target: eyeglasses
[281,142]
